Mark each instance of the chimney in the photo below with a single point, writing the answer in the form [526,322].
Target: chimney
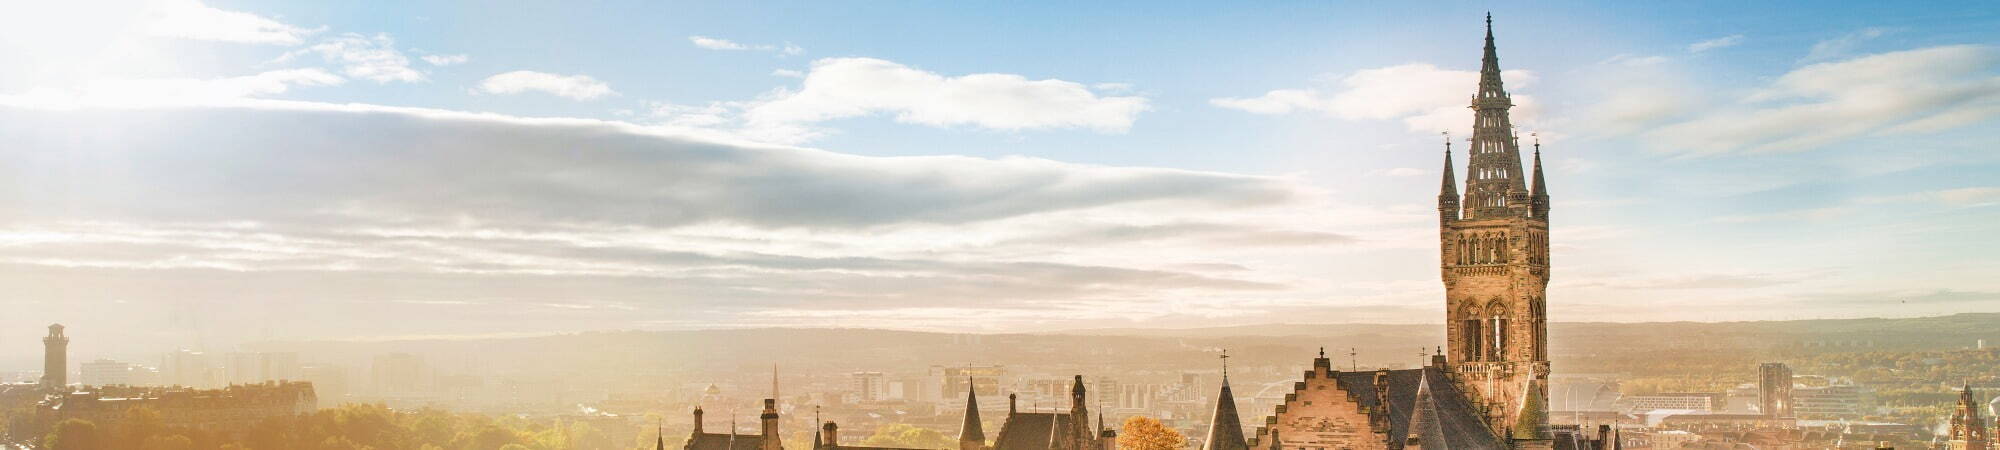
[1012,401]
[832,433]
[697,420]
[770,419]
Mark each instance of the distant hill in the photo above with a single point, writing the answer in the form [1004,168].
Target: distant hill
[1573,345]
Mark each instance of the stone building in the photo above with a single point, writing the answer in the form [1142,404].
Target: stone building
[236,407]
[55,359]
[1488,389]
[1968,430]
[1495,257]
[1065,430]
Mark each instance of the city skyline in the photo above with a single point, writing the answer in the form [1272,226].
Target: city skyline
[213,173]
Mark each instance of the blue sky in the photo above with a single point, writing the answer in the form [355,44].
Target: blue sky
[543,167]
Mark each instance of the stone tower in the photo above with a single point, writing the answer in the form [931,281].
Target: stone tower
[1494,258]
[55,359]
[1968,430]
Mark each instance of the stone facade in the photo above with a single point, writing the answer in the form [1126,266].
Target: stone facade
[1968,429]
[1494,258]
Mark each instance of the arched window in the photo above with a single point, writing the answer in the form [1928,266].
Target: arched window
[1471,334]
[1497,329]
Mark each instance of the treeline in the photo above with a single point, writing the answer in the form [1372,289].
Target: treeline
[349,427]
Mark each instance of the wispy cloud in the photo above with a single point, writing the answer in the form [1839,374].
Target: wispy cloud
[447,60]
[1423,96]
[1841,46]
[1968,196]
[573,87]
[725,44]
[850,87]
[190,19]
[1911,91]
[374,58]
[1712,44]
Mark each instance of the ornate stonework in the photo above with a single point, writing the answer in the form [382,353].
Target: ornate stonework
[1494,258]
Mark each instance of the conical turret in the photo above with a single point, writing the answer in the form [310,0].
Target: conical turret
[971,434]
[1533,420]
[1225,430]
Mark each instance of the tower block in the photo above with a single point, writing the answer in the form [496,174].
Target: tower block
[1494,259]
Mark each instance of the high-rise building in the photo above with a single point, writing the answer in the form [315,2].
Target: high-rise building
[106,372]
[189,368]
[55,359]
[1495,256]
[258,367]
[1774,389]
[398,373]
[869,386]
[1834,401]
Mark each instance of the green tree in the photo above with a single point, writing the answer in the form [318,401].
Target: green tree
[908,436]
[74,434]
[1146,433]
[167,442]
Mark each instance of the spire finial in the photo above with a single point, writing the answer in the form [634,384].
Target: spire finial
[1322,352]
[1225,366]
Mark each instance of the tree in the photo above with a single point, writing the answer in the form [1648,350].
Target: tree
[904,435]
[74,434]
[170,442]
[1146,433]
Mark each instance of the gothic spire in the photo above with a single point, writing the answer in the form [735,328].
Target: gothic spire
[971,430]
[1489,66]
[1495,186]
[1540,190]
[1450,186]
[1541,193]
[1225,429]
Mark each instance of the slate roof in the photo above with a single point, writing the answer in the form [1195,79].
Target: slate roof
[1029,431]
[1450,413]
[722,441]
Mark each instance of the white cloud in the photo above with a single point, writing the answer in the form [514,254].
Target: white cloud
[1425,97]
[494,213]
[716,44]
[725,44]
[1840,46]
[850,87]
[372,58]
[788,73]
[190,19]
[574,87]
[1912,91]
[1634,60]
[447,60]
[1712,44]
[124,93]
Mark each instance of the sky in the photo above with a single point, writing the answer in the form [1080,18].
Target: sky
[184,173]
